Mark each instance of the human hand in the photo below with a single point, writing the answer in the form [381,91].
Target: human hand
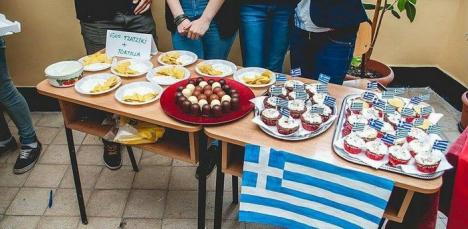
[143,6]
[183,27]
[198,28]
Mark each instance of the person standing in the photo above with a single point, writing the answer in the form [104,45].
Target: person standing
[323,37]
[96,17]
[205,27]
[18,110]
[264,29]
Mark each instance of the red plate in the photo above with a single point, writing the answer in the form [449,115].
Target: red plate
[168,104]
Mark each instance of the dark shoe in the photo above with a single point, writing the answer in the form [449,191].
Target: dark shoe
[112,155]
[9,146]
[207,170]
[27,158]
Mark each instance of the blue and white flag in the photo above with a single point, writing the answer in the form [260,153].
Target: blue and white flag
[389,139]
[399,91]
[368,96]
[358,127]
[376,124]
[388,94]
[287,190]
[389,109]
[281,78]
[302,95]
[406,111]
[372,85]
[415,100]
[298,87]
[281,102]
[404,125]
[322,89]
[285,111]
[356,106]
[329,101]
[427,110]
[296,72]
[440,145]
[316,110]
[401,133]
[380,104]
[324,78]
[276,90]
[434,129]
[418,121]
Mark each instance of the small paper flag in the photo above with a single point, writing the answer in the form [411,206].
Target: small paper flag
[296,72]
[324,78]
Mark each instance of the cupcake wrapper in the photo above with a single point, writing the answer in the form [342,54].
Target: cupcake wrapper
[413,153]
[325,117]
[309,126]
[393,161]
[296,114]
[269,121]
[409,119]
[409,139]
[286,131]
[374,156]
[351,149]
[427,168]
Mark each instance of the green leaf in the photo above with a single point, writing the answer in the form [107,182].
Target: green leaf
[410,12]
[368,6]
[412,2]
[394,13]
[401,4]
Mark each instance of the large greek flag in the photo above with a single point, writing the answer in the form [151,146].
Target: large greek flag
[291,191]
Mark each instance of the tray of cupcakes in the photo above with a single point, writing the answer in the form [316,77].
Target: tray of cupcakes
[292,110]
[389,132]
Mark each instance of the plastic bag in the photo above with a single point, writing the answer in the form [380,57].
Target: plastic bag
[132,132]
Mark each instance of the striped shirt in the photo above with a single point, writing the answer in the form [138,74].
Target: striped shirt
[302,18]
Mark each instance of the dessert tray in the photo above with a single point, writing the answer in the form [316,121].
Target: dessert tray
[409,169]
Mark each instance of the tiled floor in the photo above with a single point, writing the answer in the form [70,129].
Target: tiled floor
[161,195]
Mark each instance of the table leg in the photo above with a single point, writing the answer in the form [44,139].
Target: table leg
[76,175]
[218,214]
[235,191]
[201,174]
[132,158]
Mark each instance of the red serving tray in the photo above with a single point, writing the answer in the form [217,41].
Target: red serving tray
[169,106]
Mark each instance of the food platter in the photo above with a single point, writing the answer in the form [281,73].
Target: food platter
[170,105]
[97,62]
[167,79]
[88,85]
[345,155]
[132,67]
[140,88]
[253,72]
[225,68]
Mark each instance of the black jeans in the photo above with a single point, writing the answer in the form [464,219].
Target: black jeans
[329,53]
[94,33]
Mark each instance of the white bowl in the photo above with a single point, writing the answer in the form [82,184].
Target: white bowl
[64,73]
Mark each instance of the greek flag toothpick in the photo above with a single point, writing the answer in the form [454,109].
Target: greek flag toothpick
[322,89]
[316,110]
[399,91]
[426,110]
[376,124]
[434,129]
[276,90]
[404,125]
[356,106]
[415,100]
[406,111]
[389,139]
[401,133]
[296,72]
[388,94]
[281,102]
[389,109]
[284,111]
[302,95]
[368,96]
[379,103]
[372,85]
[358,127]
[418,121]
[298,87]
[329,101]
[281,78]
[440,145]
[324,78]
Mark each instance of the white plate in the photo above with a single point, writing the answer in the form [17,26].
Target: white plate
[141,66]
[85,85]
[186,57]
[241,73]
[166,80]
[94,67]
[138,87]
[228,68]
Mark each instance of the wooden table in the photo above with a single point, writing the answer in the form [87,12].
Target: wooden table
[235,135]
[181,141]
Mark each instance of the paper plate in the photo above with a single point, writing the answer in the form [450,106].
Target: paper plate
[186,58]
[166,80]
[94,67]
[138,87]
[251,71]
[141,66]
[85,85]
[228,68]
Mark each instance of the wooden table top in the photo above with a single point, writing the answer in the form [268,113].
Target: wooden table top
[244,132]
[151,113]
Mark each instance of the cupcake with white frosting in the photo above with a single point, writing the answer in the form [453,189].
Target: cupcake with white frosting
[296,107]
[398,155]
[287,126]
[376,150]
[311,121]
[270,102]
[371,113]
[428,162]
[318,98]
[327,111]
[368,134]
[311,89]
[289,85]
[292,95]
[393,119]
[353,144]
[416,133]
[418,146]
[350,121]
[270,116]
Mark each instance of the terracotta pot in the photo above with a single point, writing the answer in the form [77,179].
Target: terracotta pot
[382,69]
[464,115]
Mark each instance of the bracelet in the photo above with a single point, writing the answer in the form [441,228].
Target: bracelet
[179,19]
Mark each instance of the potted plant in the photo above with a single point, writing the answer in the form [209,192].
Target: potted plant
[364,66]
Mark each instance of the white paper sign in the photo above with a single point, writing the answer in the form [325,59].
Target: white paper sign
[130,45]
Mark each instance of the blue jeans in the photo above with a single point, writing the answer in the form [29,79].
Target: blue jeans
[211,45]
[328,53]
[15,105]
[264,32]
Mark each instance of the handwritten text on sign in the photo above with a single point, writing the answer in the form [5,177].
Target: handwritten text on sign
[130,45]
